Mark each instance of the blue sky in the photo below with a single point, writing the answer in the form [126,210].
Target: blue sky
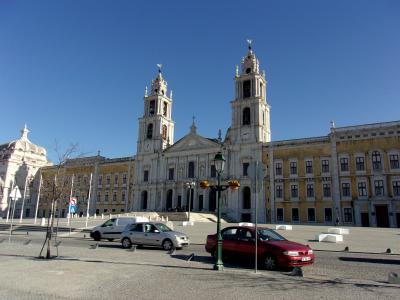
[75,71]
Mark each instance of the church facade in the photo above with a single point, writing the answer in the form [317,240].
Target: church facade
[350,176]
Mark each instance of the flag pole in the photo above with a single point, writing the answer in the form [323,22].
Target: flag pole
[88,199]
[69,204]
[10,203]
[38,197]
[23,199]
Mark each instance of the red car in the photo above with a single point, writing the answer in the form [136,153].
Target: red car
[273,249]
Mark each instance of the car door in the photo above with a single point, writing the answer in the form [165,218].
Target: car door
[229,241]
[136,233]
[152,236]
[109,229]
[246,243]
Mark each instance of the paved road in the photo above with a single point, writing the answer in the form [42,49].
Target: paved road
[335,265]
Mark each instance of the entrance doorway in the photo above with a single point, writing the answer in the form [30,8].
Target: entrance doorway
[212,201]
[398,219]
[382,216]
[364,219]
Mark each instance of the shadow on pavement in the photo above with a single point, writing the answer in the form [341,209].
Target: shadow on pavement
[371,260]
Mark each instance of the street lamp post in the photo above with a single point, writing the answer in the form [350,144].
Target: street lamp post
[190,185]
[219,162]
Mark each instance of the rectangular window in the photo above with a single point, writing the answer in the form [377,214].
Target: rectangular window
[326,190]
[346,189]
[245,169]
[396,189]
[171,173]
[98,197]
[124,179]
[106,197]
[362,189]
[279,191]
[348,215]
[279,214]
[146,176]
[311,214]
[108,179]
[378,187]
[394,161]
[123,196]
[309,167]
[116,179]
[293,168]
[213,171]
[114,196]
[310,190]
[295,214]
[294,191]
[191,169]
[344,164]
[100,179]
[325,166]
[278,169]
[376,160]
[360,164]
[328,214]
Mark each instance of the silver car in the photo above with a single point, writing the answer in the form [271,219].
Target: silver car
[153,234]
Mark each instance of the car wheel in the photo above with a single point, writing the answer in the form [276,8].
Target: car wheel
[97,236]
[213,253]
[269,262]
[126,243]
[167,244]
[110,240]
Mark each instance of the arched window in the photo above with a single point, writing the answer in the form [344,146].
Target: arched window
[164,132]
[212,200]
[246,197]
[150,131]
[143,204]
[246,116]
[247,89]
[152,107]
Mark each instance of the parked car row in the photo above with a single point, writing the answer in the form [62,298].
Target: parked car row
[139,231]
[238,242]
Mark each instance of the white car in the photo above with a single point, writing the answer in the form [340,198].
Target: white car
[153,234]
[113,228]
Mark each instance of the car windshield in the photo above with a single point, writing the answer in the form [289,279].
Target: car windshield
[162,227]
[269,235]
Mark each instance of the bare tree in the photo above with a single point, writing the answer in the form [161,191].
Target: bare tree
[55,186]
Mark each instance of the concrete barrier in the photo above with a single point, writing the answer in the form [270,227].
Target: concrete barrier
[338,230]
[283,227]
[187,223]
[246,224]
[329,237]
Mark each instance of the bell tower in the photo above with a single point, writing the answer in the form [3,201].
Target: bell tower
[250,110]
[156,128]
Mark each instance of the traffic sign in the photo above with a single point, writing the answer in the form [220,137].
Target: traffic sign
[15,194]
[72,205]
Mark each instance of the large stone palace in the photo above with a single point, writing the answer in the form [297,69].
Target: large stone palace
[351,175]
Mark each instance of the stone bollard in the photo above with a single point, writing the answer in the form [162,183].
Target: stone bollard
[167,219]
[94,216]
[43,222]
[102,216]
[394,278]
